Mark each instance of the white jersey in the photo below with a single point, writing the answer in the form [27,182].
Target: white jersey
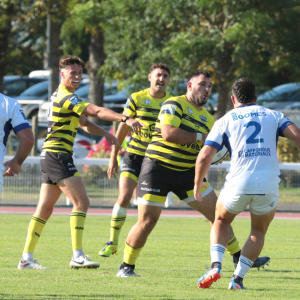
[13,118]
[250,133]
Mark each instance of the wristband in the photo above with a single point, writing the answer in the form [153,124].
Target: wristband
[124,118]
[199,137]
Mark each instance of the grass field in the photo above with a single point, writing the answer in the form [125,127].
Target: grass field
[170,264]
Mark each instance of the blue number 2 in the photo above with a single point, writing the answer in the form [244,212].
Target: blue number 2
[251,139]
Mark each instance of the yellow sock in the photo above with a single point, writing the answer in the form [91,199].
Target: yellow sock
[77,226]
[116,223]
[131,254]
[35,229]
[233,246]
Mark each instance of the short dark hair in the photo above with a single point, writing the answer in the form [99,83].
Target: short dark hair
[160,66]
[199,72]
[68,60]
[244,90]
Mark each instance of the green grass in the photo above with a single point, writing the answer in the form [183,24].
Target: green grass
[170,264]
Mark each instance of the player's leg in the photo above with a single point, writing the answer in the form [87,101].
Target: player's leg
[49,194]
[152,193]
[74,189]
[262,213]
[218,243]
[128,181]
[119,214]
[137,237]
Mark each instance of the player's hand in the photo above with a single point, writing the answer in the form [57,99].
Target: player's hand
[135,125]
[112,167]
[14,168]
[197,188]
[111,139]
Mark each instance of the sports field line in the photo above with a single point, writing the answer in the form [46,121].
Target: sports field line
[133,212]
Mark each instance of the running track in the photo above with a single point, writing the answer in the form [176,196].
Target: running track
[133,212]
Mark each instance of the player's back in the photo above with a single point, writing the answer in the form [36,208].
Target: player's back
[251,134]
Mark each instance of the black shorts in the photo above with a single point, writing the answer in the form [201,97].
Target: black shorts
[56,166]
[132,164]
[155,182]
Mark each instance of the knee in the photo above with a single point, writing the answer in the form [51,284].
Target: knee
[150,222]
[124,198]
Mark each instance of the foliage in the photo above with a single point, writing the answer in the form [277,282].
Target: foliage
[287,151]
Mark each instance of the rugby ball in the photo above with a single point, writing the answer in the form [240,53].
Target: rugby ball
[220,155]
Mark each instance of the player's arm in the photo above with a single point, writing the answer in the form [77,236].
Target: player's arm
[177,135]
[292,132]
[109,115]
[26,142]
[93,128]
[203,163]
[113,163]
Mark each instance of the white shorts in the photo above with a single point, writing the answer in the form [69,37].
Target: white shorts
[259,204]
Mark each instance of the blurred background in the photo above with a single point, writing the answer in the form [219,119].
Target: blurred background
[120,40]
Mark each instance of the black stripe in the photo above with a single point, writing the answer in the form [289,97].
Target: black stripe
[164,164]
[71,106]
[153,119]
[192,120]
[147,109]
[59,139]
[187,128]
[176,113]
[58,149]
[60,124]
[186,153]
[77,214]
[65,115]
[171,157]
[38,219]
[132,102]
[136,148]
[64,99]
[172,102]
[56,104]
[68,132]
[139,142]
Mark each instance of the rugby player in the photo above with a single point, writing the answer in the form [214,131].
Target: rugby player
[250,132]
[59,174]
[142,106]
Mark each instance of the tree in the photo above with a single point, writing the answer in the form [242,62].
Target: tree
[87,16]
[228,38]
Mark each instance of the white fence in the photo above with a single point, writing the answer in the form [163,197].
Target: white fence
[24,189]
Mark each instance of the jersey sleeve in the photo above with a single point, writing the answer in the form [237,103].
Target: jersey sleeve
[284,122]
[18,119]
[171,113]
[215,137]
[74,103]
[130,107]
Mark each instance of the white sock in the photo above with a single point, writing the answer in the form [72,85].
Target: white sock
[27,256]
[217,252]
[243,266]
[119,211]
[77,253]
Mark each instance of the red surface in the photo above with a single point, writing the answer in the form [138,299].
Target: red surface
[131,212]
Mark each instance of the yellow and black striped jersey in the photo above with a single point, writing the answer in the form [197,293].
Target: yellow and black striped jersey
[63,118]
[143,107]
[180,113]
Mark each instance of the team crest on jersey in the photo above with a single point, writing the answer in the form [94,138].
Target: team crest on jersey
[74,100]
[203,118]
[147,101]
[170,109]
[190,111]
[127,103]
[155,114]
